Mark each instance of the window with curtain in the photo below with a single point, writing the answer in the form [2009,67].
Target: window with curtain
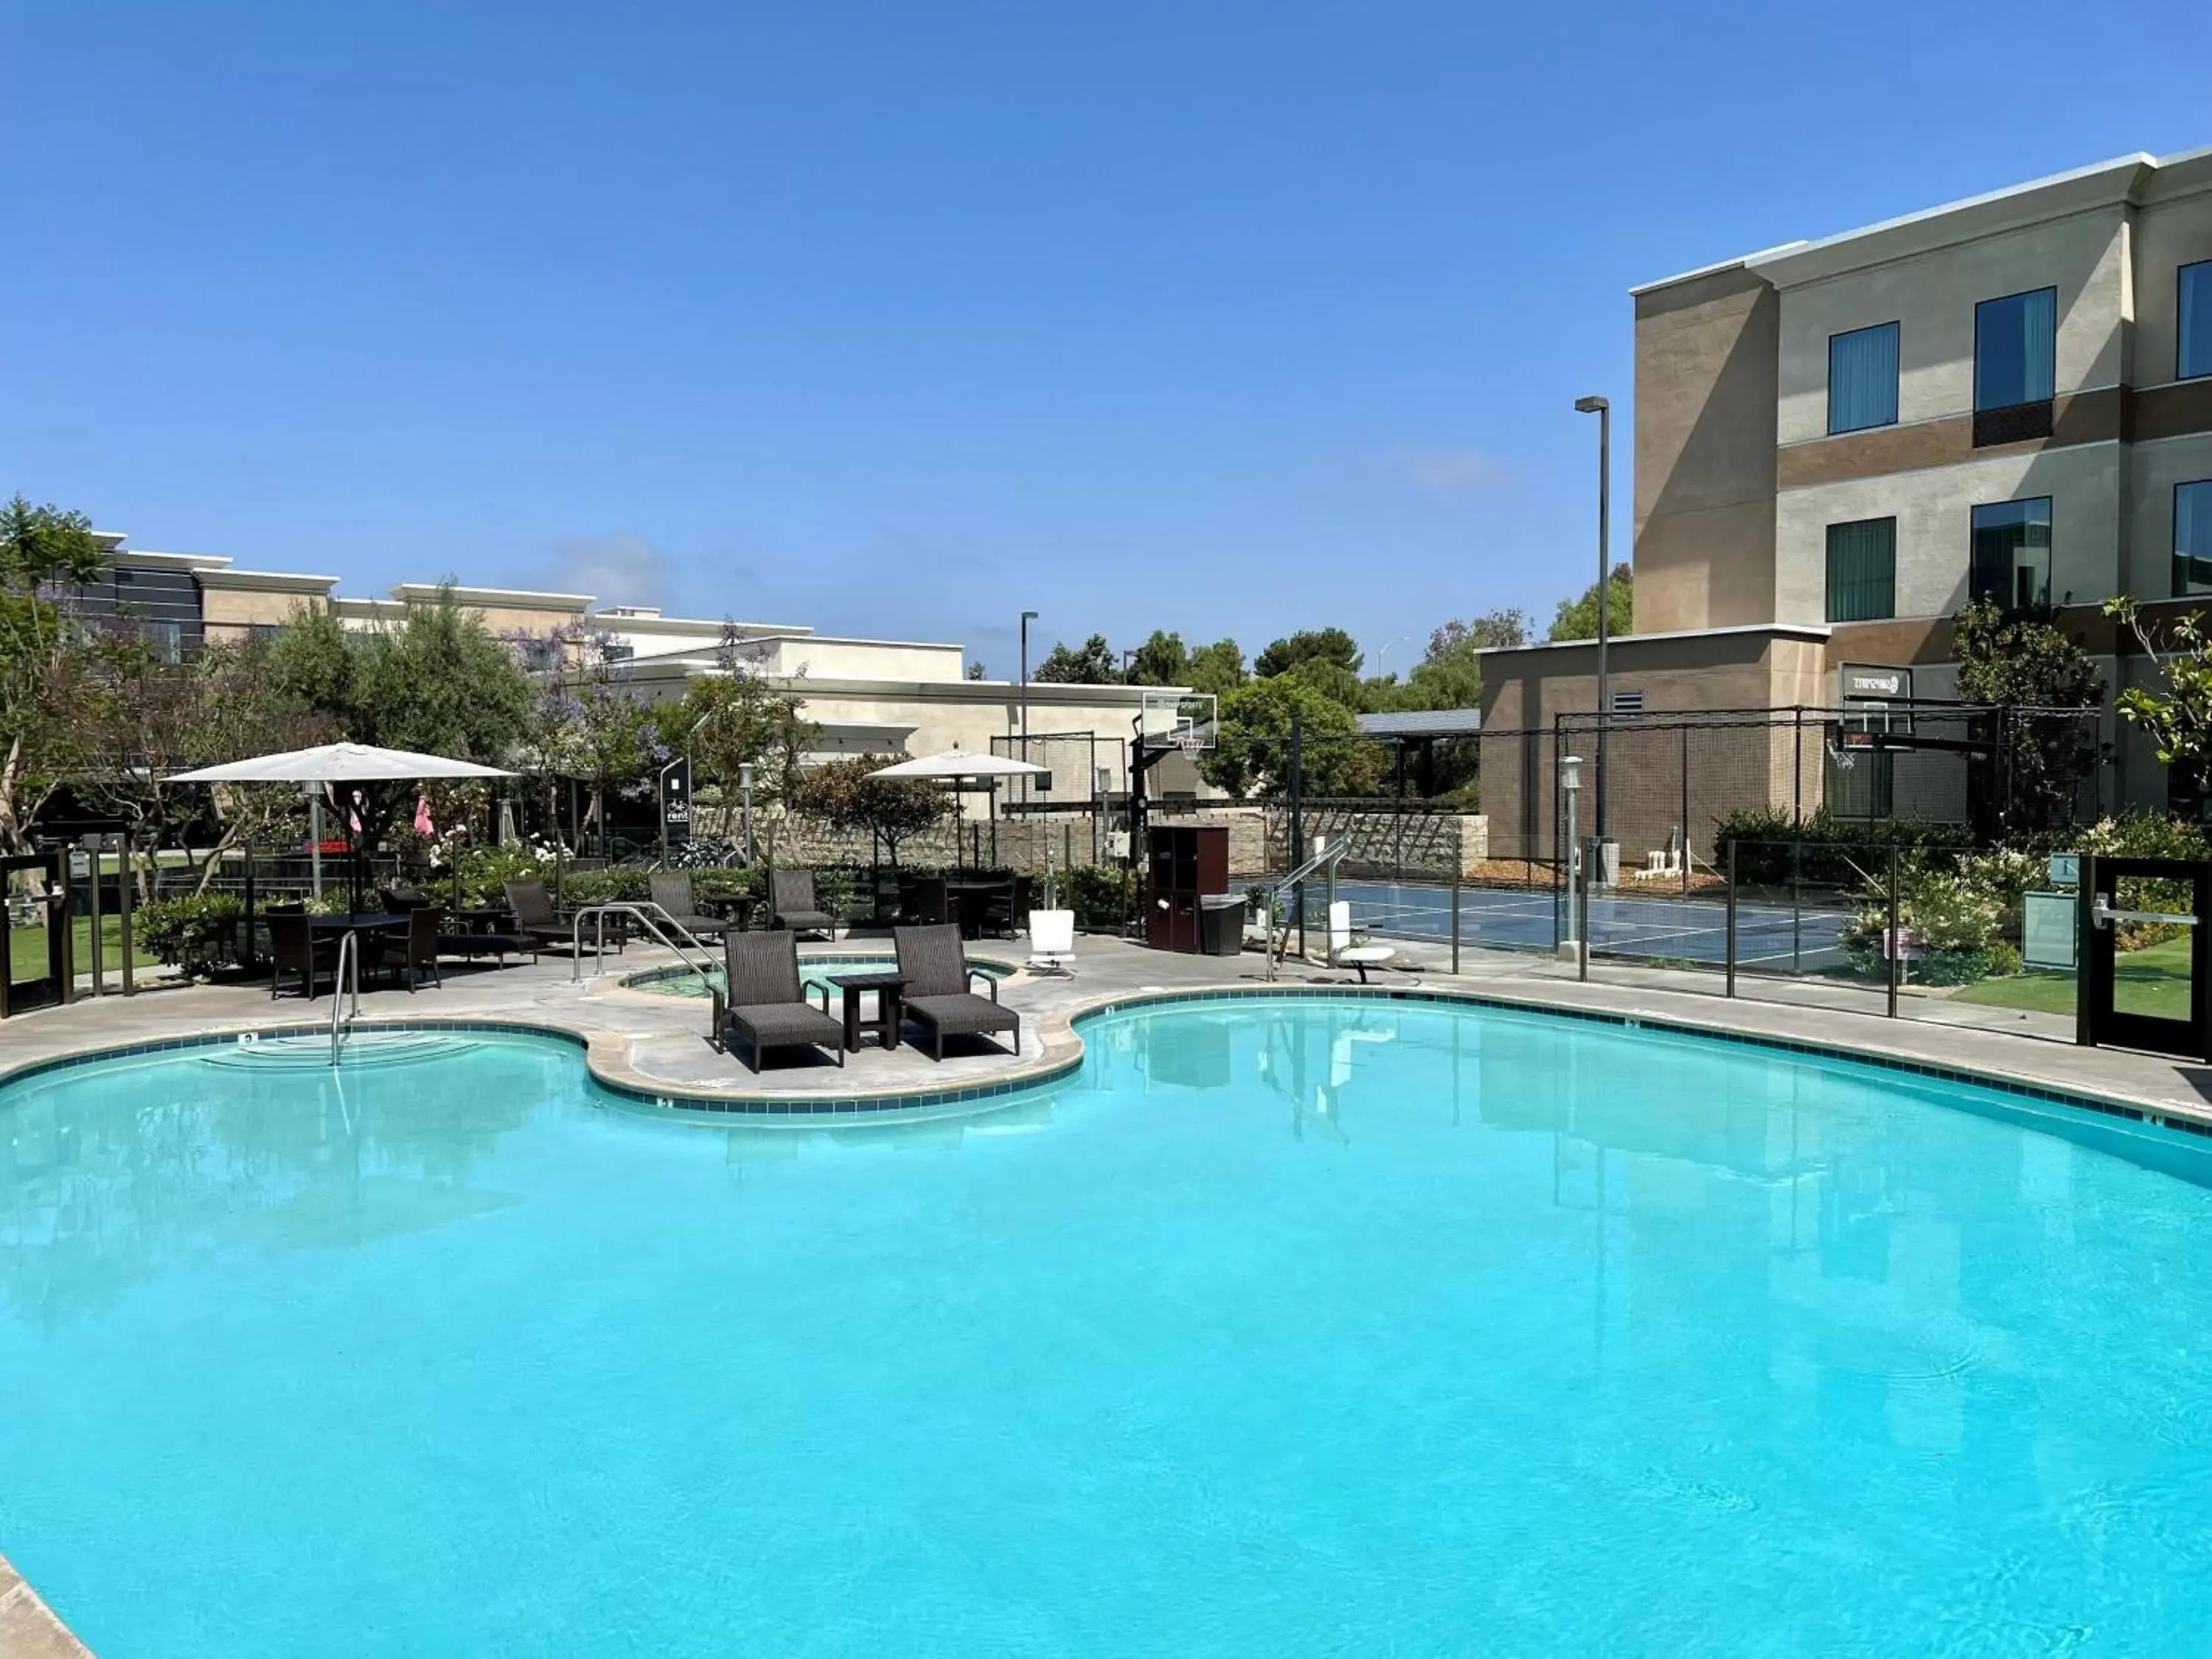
[1863,570]
[1863,379]
[2192,537]
[2195,319]
[2012,553]
[2015,348]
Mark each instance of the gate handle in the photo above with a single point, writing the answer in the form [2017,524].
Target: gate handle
[2104,916]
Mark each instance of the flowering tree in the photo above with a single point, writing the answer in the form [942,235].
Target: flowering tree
[589,723]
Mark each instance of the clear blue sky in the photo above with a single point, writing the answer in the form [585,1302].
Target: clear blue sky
[899,319]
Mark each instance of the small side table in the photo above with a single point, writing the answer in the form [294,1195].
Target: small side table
[890,1008]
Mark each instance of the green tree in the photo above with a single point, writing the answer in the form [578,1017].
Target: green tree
[1162,659]
[1218,668]
[1329,644]
[735,717]
[439,682]
[2021,660]
[1577,617]
[977,672]
[45,667]
[2178,719]
[1090,664]
[846,796]
[1450,675]
[1253,755]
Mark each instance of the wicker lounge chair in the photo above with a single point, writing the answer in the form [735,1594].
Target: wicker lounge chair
[936,992]
[767,1007]
[295,950]
[791,904]
[533,913]
[674,892]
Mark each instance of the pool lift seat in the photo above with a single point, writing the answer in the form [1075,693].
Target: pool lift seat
[1342,952]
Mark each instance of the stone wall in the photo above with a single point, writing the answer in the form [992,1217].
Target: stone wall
[1411,845]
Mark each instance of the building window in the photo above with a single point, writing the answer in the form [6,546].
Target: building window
[1863,379]
[1863,570]
[2012,554]
[2196,285]
[2192,537]
[2015,348]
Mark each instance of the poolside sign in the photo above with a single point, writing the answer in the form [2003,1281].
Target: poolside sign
[2048,926]
[1901,943]
[2066,871]
[676,802]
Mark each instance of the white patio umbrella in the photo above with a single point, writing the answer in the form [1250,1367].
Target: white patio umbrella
[957,763]
[345,763]
[339,762]
[961,763]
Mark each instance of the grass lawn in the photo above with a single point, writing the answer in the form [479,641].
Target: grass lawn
[2151,982]
[27,949]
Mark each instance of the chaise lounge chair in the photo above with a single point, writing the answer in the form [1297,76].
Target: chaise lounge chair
[767,1007]
[674,892]
[533,913]
[936,992]
[791,904]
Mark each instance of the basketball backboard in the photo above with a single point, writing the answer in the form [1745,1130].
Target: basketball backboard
[1178,719]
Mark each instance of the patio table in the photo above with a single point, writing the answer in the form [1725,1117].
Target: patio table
[890,1008]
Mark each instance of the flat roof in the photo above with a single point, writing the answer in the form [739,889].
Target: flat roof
[1798,630]
[2034,198]
[1424,723]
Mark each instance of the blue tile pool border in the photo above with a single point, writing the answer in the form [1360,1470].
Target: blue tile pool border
[673,1100]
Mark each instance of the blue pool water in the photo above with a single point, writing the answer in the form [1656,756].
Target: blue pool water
[1308,1328]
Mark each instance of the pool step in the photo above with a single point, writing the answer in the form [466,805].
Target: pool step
[359,1049]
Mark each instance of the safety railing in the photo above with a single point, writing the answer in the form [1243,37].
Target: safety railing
[349,953]
[675,937]
[1327,855]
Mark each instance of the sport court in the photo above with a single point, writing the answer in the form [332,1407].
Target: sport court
[1680,929]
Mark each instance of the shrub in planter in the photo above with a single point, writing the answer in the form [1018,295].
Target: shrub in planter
[195,934]
[1100,895]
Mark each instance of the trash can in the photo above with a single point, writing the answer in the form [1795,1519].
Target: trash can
[1221,924]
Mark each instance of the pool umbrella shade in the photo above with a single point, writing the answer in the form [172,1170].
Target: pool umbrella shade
[339,762]
[345,765]
[961,763]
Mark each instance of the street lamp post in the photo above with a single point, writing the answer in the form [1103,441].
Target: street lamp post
[745,788]
[1028,617]
[1384,651]
[1603,409]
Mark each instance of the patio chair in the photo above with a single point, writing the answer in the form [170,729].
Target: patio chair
[533,913]
[924,899]
[767,1007]
[792,905]
[936,992]
[415,951]
[674,892]
[294,949]
[1052,941]
[1342,952]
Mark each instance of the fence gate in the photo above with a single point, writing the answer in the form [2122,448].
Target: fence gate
[37,931]
[2159,999]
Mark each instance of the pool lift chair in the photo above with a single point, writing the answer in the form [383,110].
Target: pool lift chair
[1342,952]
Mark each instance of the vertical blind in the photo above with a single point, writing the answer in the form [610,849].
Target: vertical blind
[2015,348]
[1863,570]
[1863,379]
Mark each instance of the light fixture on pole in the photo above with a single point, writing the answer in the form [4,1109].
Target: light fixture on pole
[1028,617]
[1603,409]
[1570,786]
[745,788]
[1384,650]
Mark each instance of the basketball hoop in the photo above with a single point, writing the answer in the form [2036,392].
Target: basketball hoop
[1189,745]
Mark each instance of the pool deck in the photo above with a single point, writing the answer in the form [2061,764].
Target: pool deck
[653,1045]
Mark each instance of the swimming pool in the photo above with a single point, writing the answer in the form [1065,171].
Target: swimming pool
[814,973]
[1322,1325]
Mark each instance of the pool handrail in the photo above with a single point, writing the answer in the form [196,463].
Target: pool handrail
[349,950]
[638,908]
[1327,854]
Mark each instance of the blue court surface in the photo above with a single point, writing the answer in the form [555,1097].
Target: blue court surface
[1625,924]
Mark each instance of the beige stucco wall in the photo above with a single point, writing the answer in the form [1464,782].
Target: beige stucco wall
[2154,470]
[232,610]
[2173,228]
[1933,509]
[1932,297]
[1704,449]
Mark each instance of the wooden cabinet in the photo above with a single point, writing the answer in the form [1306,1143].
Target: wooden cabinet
[1185,863]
